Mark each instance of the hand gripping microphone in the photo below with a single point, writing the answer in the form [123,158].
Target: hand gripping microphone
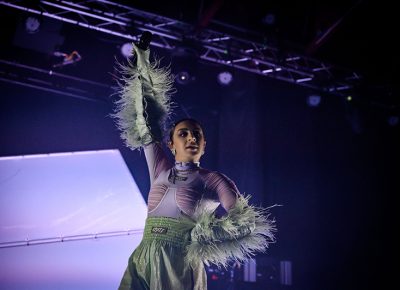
[145,40]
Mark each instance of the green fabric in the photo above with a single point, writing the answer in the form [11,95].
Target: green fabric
[158,262]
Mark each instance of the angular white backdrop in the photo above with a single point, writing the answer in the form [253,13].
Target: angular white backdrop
[52,197]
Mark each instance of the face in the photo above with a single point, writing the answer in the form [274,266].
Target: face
[188,141]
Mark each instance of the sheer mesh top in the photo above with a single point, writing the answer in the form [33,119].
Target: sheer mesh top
[176,189]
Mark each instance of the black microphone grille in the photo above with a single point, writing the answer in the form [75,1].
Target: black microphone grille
[145,40]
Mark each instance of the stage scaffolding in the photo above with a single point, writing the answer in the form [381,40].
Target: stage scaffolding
[250,54]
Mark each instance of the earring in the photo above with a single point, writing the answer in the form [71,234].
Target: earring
[173,151]
[202,153]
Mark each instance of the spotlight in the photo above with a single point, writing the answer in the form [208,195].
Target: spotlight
[126,49]
[225,78]
[314,100]
[32,25]
[185,60]
[183,78]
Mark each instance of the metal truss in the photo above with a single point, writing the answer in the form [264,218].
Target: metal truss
[212,46]
[72,238]
[53,82]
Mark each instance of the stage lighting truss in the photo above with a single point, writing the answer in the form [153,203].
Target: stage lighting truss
[54,82]
[218,47]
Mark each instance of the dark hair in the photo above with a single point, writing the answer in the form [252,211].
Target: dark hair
[171,131]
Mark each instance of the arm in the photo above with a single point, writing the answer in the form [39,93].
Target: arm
[237,235]
[156,160]
[228,196]
[223,190]
[143,108]
[144,102]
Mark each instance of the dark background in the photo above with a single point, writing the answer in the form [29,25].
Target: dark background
[333,168]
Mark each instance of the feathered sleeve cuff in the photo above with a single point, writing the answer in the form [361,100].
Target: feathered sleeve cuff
[144,104]
[240,234]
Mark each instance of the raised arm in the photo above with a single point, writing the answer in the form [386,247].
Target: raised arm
[156,160]
[143,108]
[144,103]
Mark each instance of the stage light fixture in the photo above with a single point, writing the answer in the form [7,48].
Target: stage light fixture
[313,100]
[225,78]
[183,78]
[185,60]
[32,25]
[126,49]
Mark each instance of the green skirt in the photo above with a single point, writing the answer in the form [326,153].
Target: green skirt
[159,263]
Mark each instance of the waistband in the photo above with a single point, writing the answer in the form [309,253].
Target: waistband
[170,230]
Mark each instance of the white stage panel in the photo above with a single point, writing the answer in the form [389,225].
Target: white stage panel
[80,194]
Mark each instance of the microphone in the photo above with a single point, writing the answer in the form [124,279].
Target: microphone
[145,40]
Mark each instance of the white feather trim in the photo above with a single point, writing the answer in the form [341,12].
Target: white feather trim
[144,104]
[239,235]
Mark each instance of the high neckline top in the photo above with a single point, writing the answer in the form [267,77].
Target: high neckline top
[184,166]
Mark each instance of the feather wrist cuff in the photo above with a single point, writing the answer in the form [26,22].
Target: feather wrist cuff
[239,235]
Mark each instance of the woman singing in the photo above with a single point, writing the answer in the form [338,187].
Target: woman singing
[184,230]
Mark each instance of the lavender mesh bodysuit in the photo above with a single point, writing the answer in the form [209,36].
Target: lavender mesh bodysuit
[176,190]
